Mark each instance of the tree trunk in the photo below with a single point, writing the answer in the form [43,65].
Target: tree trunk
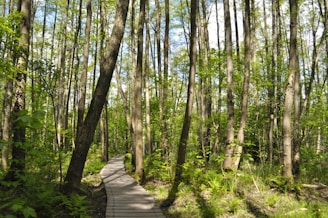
[60,106]
[104,133]
[236,31]
[17,167]
[146,81]
[84,75]
[205,97]
[272,88]
[107,65]
[134,72]
[165,79]
[6,124]
[227,164]
[244,101]
[218,125]
[137,113]
[189,106]
[289,92]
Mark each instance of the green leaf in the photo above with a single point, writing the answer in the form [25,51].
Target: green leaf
[29,212]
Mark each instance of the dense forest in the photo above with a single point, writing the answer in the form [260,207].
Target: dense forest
[220,107]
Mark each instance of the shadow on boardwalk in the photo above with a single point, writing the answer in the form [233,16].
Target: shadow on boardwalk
[125,197]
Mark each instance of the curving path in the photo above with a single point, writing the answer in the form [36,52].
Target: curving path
[125,197]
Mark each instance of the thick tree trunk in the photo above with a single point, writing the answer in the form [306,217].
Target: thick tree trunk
[17,167]
[85,135]
[137,113]
[289,92]
[227,164]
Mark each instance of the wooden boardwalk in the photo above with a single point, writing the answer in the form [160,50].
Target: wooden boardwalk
[125,198]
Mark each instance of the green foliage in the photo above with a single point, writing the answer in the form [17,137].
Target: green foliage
[157,168]
[284,184]
[30,120]
[314,166]
[40,195]
[9,36]
[18,207]
[76,205]
[128,162]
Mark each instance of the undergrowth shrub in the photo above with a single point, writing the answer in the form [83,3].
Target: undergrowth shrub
[157,168]
[314,166]
[39,199]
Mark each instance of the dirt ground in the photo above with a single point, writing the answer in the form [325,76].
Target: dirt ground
[97,198]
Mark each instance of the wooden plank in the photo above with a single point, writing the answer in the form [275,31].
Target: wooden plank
[125,197]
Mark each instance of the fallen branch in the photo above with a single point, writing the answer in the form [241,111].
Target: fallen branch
[314,186]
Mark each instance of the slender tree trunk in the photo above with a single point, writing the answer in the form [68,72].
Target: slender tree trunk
[218,125]
[84,75]
[165,78]
[272,88]
[6,113]
[44,27]
[244,101]
[60,106]
[289,92]
[6,124]
[189,106]
[104,133]
[205,97]
[146,80]
[134,72]
[85,135]
[236,31]
[161,82]
[227,164]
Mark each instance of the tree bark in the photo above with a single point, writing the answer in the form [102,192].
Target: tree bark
[84,75]
[134,72]
[104,134]
[165,79]
[146,81]
[272,88]
[5,122]
[107,65]
[227,164]
[244,100]
[289,92]
[17,167]
[219,104]
[137,113]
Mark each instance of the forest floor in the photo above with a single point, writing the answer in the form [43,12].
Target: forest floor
[249,192]
[311,201]
[96,195]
